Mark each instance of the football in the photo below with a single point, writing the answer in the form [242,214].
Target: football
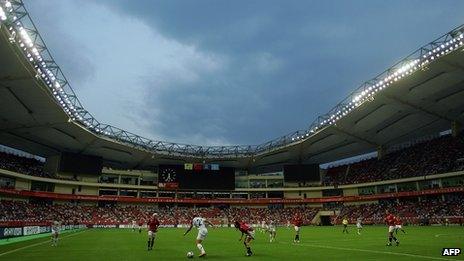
[190,254]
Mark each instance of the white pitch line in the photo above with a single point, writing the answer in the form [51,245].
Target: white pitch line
[450,235]
[38,244]
[371,251]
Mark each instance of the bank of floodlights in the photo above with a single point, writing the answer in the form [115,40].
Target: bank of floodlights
[402,70]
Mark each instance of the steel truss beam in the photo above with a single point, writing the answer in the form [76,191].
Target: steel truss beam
[52,76]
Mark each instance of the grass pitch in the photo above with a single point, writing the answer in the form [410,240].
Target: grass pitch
[317,243]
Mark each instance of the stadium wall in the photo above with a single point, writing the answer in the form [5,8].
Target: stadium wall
[350,192]
[313,194]
[251,202]
[355,203]
[78,190]
[300,194]
[23,184]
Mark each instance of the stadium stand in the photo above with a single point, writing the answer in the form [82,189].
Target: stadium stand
[27,166]
[439,155]
[412,211]
[16,212]
[23,165]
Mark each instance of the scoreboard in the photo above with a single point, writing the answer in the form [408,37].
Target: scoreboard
[302,173]
[196,176]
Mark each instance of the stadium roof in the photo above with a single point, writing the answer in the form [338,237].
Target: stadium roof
[39,113]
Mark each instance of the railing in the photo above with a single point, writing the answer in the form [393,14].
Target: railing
[23,33]
[219,201]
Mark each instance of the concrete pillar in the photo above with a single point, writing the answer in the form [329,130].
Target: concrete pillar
[380,152]
[456,128]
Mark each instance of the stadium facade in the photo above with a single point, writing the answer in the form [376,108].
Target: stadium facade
[410,103]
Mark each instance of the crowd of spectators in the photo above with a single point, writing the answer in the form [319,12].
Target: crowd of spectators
[28,166]
[412,211]
[23,165]
[22,211]
[440,155]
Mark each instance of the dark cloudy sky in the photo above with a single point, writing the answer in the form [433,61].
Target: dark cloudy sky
[229,72]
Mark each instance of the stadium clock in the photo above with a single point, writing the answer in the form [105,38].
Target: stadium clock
[169,175]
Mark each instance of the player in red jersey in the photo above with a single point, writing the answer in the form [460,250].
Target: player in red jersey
[390,221]
[153,225]
[297,223]
[249,233]
[399,225]
[140,225]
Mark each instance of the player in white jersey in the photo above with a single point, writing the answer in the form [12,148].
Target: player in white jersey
[271,229]
[263,226]
[134,225]
[200,224]
[55,232]
[359,225]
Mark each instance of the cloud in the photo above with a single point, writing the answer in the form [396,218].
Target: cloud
[229,72]
[130,64]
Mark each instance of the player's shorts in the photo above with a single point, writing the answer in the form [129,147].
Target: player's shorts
[54,232]
[297,229]
[251,234]
[202,233]
[271,229]
[391,229]
[398,226]
[359,226]
[151,233]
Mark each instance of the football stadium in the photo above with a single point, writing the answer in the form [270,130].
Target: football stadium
[380,176]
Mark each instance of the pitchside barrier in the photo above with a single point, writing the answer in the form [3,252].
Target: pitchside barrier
[7,232]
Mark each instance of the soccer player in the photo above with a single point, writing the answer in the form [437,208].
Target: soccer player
[140,225]
[200,224]
[297,222]
[399,225]
[359,225]
[390,221]
[345,225]
[271,229]
[263,226]
[153,225]
[55,232]
[134,225]
[249,233]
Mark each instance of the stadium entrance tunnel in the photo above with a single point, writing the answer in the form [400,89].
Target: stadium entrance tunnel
[325,221]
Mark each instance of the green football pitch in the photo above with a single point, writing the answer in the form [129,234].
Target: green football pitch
[317,243]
